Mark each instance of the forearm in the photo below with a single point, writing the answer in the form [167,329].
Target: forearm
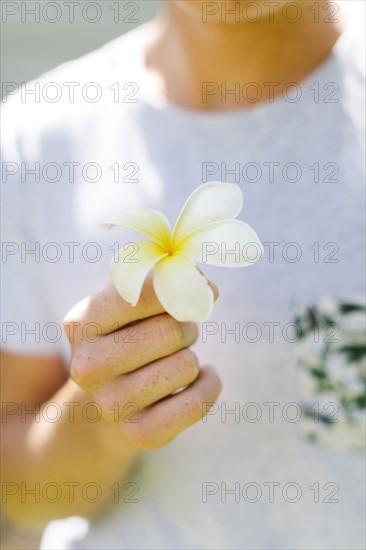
[77,449]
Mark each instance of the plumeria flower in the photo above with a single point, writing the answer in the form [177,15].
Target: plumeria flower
[205,232]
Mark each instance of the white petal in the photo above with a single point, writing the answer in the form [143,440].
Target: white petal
[131,266]
[231,243]
[150,223]
[182,290]
[211,202]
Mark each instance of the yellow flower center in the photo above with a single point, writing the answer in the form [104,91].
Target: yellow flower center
[170,248]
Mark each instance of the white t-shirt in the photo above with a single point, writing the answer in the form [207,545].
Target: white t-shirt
[299,161]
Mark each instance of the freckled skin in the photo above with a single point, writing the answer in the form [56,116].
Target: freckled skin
[146,372]
[129,379]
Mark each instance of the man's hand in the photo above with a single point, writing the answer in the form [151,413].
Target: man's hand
[132,360]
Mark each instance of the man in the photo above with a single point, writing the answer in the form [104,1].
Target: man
[268,95]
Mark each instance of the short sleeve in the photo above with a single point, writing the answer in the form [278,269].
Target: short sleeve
[28,325]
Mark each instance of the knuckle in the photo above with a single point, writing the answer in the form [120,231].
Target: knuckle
[77,369]
[83,367]
[71,329]
[74,320]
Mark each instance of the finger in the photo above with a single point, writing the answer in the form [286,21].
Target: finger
[106,311]
[151,383]
[160,423]
[95,364]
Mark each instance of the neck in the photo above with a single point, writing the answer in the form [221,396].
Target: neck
[197,64]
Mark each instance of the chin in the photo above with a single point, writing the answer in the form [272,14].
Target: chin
[227,11]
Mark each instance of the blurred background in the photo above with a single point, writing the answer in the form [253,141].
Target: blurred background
[37,36]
